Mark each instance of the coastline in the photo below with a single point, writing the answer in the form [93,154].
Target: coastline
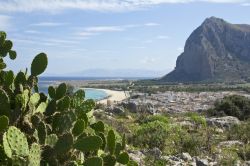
[113,96]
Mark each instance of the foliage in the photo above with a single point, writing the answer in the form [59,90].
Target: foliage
[240,132]
[197,119]
[57,130]
[152,118]
[150,135]
[235,105]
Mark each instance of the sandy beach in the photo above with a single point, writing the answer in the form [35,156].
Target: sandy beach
[113,96]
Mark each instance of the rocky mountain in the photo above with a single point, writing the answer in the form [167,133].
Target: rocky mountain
[215,51]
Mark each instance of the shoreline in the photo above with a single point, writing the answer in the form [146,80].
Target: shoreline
[113,96]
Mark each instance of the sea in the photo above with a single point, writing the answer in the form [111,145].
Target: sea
[96,94]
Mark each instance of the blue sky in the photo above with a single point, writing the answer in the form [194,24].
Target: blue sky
[111,34]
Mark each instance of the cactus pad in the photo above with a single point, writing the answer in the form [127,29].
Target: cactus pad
[52,92]
[41,108]
[35,155]
[39,64]
[4,122]
[109,160]
[64,103]
[61,90]
[64,143]
[51,140]
[111,141]
[98,127]
[89,143]
[42,133]
[17,141]
[4,103]
[78,127]
[123,158]
[93,161]
[6,146]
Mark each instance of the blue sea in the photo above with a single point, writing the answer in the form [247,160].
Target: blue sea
[96,94]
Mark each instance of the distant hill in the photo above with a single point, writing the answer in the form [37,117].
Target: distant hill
[118,73]
[215,51]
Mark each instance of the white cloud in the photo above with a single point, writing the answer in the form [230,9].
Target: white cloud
[162,37]
[245,4]
[105,29]
[5,22]
[138,47]
[48,24]
[97,5]
[97,30]
[151,24]
[32,32]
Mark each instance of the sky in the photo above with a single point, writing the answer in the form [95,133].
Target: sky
[108,34]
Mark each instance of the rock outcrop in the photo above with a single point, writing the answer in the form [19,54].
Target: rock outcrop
[215,51]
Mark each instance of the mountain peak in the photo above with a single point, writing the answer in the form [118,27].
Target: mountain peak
[217,50]
[211,21]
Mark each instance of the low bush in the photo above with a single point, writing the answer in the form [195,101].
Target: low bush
[235,105]
[150,135]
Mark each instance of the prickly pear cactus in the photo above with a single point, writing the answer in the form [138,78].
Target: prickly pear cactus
[35,155]
[59,129]
[17,142]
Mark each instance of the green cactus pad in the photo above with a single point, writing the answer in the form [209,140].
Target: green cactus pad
[90,143]
[6,146]
[61,91]
[103,140]
[111,141]
[123,158]
[2,37]
[20,79]
[78,127]
[4,103]
[51,108]
[34,99]
[88,105]
[51,140]
[64,103]
[109,160]
[7,45]
[98,127]
[4,122]
[41,108]
[8,78]
[35,155]
[39,64]
[42,133]
[64,143]
[17,141]
[52,92]
[2,65]
[94,161]
[118,149]
[12,54]
[80,94]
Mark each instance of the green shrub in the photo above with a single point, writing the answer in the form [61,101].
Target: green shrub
[56,130]
[150,135]
[198,119]
[152,118]
[240,132]
[235,105]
